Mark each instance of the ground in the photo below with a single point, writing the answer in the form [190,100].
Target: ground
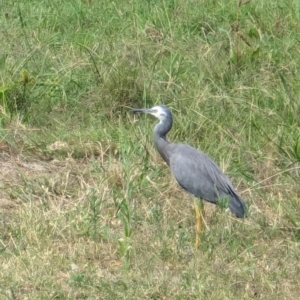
[88,209]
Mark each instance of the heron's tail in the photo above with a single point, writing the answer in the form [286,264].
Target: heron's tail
[237,206]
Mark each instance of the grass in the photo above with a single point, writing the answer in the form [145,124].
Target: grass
[88,208]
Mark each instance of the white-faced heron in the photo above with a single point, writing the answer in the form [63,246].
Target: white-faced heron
[194,170]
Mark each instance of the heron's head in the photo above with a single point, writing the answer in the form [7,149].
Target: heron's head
[161,112]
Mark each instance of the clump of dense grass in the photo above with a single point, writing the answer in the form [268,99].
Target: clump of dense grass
[88,208]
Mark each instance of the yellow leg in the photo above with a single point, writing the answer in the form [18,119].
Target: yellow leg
[199,219]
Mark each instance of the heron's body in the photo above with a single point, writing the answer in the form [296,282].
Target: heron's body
[194,170]
[188,163]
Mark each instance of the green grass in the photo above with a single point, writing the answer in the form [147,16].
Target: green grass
[88,208]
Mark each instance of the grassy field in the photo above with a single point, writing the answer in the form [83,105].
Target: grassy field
[88,209]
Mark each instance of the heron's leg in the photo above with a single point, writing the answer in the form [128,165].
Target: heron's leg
[199,209]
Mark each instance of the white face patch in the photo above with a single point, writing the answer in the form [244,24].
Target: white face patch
[158,112]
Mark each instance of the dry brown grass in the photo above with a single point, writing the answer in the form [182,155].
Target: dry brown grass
[54,244]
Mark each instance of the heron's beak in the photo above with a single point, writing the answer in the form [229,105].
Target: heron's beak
[142,110]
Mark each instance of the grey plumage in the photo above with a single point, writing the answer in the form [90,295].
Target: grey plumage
[195,172]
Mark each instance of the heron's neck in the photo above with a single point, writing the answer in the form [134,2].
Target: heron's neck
[161,143]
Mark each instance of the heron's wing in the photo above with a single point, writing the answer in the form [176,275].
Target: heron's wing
[197,173]
[201,176]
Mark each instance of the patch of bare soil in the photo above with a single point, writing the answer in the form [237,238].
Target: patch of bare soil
[14,168]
